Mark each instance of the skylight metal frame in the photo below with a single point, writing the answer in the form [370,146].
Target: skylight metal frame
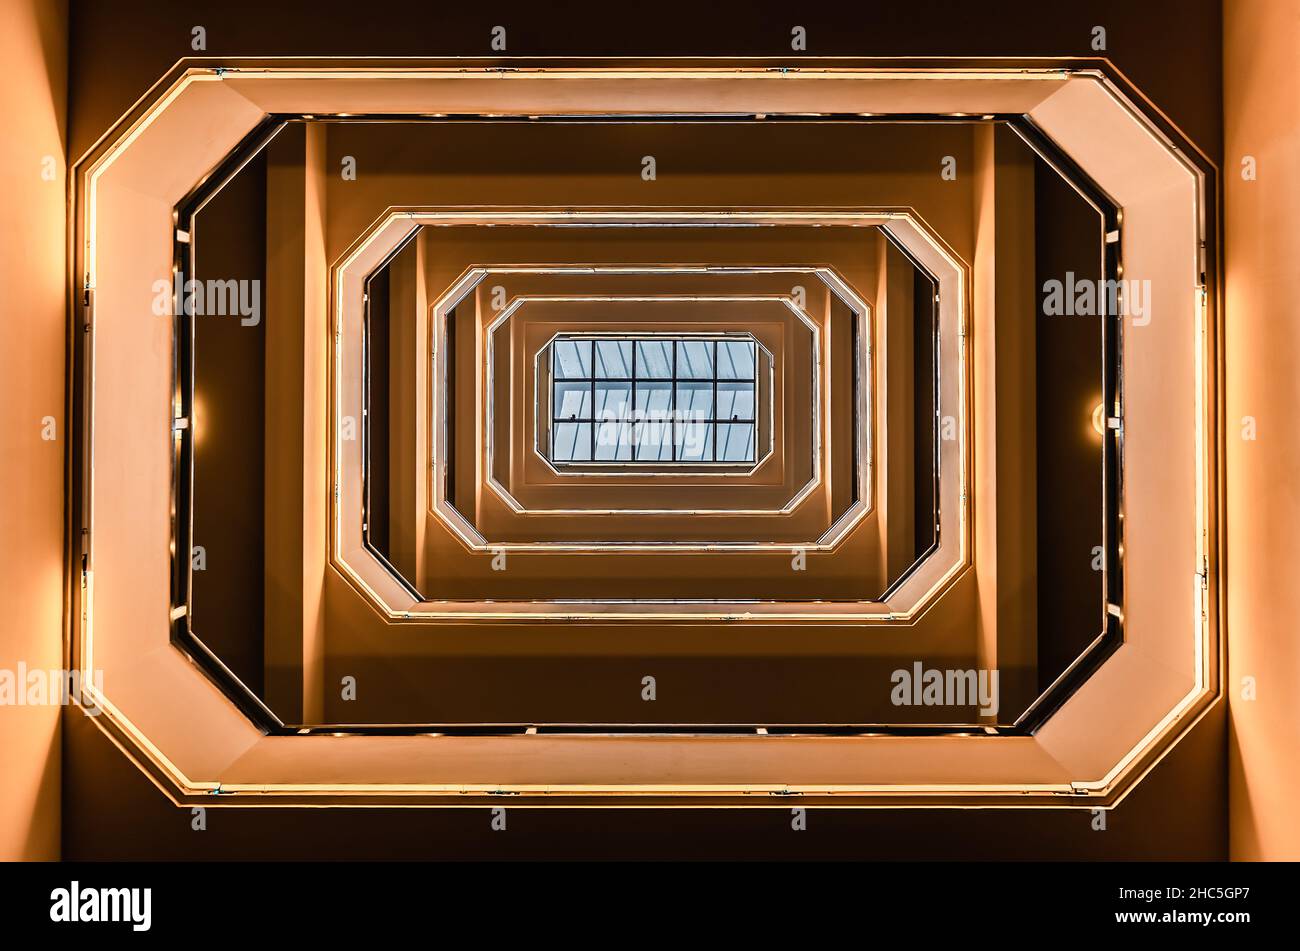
[634,418]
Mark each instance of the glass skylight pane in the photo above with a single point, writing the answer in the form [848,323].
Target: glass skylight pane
[735,401]
[572,359]
[735,360]
[571,442]
[694,442]
[695,359]
[614,359]
[694,401]
[572,400]
[613,441]
[613,401]
[654,441]
[654,400]
[654,359]
[735,442]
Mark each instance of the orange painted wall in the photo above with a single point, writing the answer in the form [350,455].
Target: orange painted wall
[33,101]
[1261,47]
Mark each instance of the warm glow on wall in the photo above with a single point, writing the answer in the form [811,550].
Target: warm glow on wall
[198,419]
[1098,420]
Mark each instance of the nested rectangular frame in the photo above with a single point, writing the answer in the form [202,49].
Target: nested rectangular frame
[819,377]
[1111,631]
[1100,779]
[440,439]
[906,597]
[819,372]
